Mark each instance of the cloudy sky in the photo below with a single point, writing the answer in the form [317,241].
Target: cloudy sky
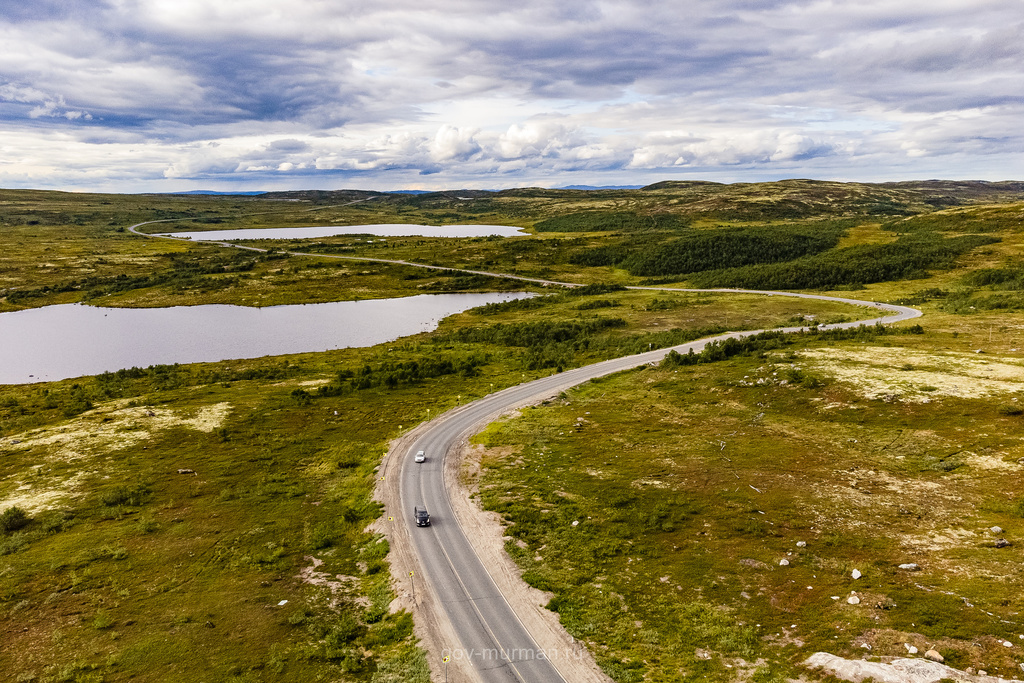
[168,95]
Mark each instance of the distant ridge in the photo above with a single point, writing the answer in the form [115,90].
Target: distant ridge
[599,187]
[248,194]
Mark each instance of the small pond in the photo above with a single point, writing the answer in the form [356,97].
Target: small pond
[382,230]
[70,340]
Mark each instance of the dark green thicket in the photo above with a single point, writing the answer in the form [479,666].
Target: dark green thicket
[12,519]
[464,282]
[909,257]
[536,333]
[391,374]
[595,290]
[715,249]
[730,248]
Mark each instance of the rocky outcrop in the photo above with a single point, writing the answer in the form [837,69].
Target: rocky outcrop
[896,671]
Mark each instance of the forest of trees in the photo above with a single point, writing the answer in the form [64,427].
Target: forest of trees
[699,251]
[907,258]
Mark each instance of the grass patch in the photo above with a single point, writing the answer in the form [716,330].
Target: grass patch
[689,484]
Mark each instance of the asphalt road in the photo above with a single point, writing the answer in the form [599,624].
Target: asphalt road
[493,638]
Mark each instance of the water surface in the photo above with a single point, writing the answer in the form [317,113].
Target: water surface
[382,230]
[70,340]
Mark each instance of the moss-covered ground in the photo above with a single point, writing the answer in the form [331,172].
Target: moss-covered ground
[690,520]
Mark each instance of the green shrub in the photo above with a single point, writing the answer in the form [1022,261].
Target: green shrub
[12,519]
[124,495]
[102,621]
[319,536]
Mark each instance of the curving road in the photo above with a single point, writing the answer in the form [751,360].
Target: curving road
[493,639]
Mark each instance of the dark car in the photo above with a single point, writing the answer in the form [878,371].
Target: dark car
[422,518]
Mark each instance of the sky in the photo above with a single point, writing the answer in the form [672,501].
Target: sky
[243,95]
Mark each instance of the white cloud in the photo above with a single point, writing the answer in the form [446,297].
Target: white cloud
[453,144]
[260,92]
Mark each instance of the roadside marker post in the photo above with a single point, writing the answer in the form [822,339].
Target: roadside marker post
[445,660]
[413,582]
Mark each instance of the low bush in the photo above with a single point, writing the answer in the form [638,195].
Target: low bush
[12,519]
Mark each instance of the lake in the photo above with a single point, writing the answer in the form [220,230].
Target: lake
[71,340]
[382,230]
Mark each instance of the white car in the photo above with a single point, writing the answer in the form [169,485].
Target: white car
[420,456]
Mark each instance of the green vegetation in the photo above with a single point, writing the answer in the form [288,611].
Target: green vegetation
[605,221]
[657,505]
[172,508]
[716,249]
[179,523]
[62,247]
[909,258]
[152,520]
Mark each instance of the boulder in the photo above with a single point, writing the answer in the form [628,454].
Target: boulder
[934,656]
[896,671]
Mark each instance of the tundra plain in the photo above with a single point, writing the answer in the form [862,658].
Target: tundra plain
[217,516]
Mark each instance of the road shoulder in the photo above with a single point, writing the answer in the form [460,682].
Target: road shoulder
[487,536]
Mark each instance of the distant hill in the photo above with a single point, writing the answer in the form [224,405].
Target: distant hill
[791,199]
[599,187]
[214,192]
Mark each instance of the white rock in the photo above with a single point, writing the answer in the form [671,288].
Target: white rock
[856,574]
[576,523]
[898,671]
[801,544]
[783,562]
[996,530]
[1007,643]
[910,567]
[853,600]
[910,648]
